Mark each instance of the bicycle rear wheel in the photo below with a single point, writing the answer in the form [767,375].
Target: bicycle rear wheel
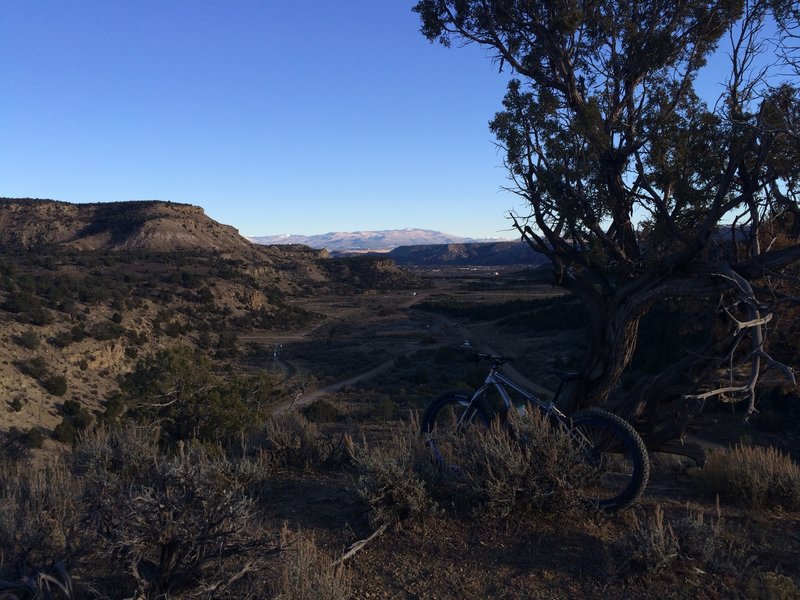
[617,457]
[445,422]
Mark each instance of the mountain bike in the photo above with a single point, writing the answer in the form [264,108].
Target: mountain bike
[615,453]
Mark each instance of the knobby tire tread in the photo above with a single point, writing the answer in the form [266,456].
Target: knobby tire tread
[633,441]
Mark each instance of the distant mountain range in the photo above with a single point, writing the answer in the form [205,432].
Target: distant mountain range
[473,254]
[157,226]
[375,241]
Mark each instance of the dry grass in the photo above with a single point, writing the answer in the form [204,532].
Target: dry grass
[752,477]
[658,544]
[307,573]
[40,521]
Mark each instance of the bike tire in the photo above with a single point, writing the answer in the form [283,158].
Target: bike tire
[446,419]
[617,455]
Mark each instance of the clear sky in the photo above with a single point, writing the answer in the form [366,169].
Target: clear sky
[275,117]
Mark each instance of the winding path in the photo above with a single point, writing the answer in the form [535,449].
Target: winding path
[462,333]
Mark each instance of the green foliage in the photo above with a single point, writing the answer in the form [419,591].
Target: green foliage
[62,339]
[106,330]
[15,405]
[177,388]
[65,431]
[71,407]
[55,384]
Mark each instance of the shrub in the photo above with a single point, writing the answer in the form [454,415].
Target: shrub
[28,339]
[106,330]
[393,479]
[33,438]
[186,524]
[292,441]
[655,544]
[532,467]
[36,367]
[321,411]
[772,585]
[55,384]
[753,477]
[65,431]
[386,408]
[70,407]
[62,339]
[177,389]
[39,522]
[16,405]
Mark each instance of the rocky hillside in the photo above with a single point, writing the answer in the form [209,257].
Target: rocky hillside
[88,290]
[141,225]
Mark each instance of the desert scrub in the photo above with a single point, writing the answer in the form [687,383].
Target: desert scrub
[292,441]
[307,573]
[694,540]
[527,467]
[394,478]
[39,518]
[753,477]
[183,525]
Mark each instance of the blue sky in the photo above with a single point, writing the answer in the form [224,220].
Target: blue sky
[275,117]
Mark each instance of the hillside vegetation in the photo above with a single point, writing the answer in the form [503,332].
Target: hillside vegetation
[235,424]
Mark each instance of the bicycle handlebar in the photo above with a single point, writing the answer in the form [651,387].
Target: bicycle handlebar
[498,360]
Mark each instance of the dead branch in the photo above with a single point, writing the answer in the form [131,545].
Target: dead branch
[359,545]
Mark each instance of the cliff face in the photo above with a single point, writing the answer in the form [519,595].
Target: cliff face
[145,225]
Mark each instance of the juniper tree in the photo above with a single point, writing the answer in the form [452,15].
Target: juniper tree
[637,189]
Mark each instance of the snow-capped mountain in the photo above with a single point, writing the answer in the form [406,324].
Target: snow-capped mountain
[352,241]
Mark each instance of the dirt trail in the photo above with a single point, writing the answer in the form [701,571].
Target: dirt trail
[310,397]
[459,332]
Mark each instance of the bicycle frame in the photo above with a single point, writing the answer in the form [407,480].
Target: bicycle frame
[500,381]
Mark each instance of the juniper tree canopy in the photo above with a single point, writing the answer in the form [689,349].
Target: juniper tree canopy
[639,190]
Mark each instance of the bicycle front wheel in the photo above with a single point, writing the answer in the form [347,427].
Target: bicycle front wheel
[445,422]
[617,457]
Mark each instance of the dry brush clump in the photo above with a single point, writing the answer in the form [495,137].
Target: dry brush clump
[39,519]
[291,441]
[658,544]
[528,466]
[187,526]
[753,477]
[394,478]
[501,472]
[121,517]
